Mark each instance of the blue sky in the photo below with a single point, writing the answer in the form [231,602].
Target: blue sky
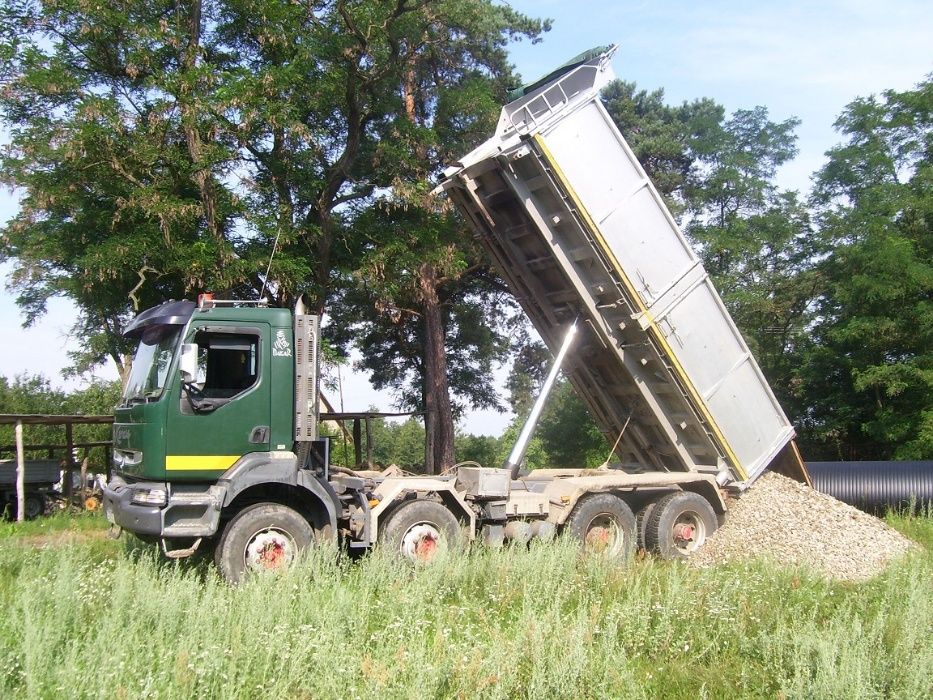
[797,58]
[800,59]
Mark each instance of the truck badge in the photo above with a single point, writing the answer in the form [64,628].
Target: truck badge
[281,347]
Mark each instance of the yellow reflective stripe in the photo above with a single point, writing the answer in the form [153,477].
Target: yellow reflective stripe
[653,329]
[207,463]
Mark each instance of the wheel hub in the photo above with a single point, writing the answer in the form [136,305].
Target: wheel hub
[421,542]
[683,532]
[689,532]
[603,536]
[270,550]
[597,538]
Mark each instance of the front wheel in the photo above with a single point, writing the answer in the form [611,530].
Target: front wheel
[263,537]
[604,525]
[679,524]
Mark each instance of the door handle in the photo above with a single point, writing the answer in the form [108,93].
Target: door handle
[259,435]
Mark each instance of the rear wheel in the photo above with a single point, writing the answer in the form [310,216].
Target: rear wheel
[262,537]
[679,524]
[420,530]
[34,505]
[641,522]
[604,525]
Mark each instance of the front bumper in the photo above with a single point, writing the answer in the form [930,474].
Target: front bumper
[192,510]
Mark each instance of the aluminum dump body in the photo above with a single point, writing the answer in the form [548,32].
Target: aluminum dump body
[578,231]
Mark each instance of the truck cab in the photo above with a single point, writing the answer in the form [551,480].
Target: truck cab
[210,421]
[228,395]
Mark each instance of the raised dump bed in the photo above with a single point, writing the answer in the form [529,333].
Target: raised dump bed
[575,226]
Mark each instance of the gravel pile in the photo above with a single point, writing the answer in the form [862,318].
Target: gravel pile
[787,522]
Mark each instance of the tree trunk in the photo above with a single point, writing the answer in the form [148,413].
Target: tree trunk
[438,419]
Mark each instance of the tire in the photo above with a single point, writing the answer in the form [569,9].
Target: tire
[603,524]
[34,505]
[262,537]
[420,530]
[641,522]
[679,524]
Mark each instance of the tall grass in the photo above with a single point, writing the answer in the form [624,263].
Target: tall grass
[107,621]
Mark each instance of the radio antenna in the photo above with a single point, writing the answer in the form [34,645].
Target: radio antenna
[265,279]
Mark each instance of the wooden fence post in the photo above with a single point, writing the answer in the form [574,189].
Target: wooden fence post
[84,479]
[357,443]
[20,474]
[68,486]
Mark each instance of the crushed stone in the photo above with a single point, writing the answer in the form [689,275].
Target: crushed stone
[790,523]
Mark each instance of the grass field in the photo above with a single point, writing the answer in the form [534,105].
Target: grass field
[88,617]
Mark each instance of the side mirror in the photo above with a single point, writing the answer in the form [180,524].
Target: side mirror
[188,362]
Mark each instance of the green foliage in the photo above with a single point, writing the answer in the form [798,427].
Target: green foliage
[374,628]
[382,312]
[870,372]
[401,444]
[393,442]
[482,449]
[162,148]
[530,363]
[568,433]
[740,157]
[34,394]
[30,394]
[122,203]
[565,437]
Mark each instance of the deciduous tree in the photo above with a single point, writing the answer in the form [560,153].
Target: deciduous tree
[869,379]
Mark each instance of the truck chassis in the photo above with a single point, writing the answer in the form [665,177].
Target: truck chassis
[262,523]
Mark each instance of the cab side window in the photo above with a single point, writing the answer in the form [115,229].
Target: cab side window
[228,363]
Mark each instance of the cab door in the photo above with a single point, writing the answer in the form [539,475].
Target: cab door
[225,412]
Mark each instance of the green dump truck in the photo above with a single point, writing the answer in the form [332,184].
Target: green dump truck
[216,438]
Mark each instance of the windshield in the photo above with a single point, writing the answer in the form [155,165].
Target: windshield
[151,364]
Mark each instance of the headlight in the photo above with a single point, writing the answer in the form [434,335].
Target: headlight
[126,458]
[150,497]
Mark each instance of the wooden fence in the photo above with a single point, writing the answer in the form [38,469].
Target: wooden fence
[69,446]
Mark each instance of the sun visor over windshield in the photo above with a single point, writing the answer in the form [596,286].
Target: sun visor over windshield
[171,313]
